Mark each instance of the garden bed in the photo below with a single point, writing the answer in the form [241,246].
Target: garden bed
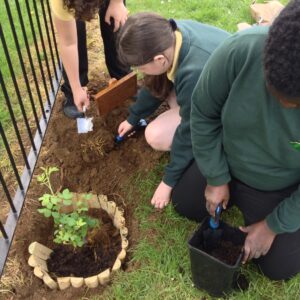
[96,256]
[88,163]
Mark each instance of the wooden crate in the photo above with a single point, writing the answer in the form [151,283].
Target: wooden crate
[116,93]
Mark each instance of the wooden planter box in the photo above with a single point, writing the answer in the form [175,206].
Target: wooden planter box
[40,253]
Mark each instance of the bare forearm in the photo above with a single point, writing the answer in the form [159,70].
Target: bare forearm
[69,56]
[67,41]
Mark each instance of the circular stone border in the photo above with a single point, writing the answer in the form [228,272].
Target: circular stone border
[40,253]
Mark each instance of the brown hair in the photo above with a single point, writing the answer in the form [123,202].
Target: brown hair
[84,10]
[144,36]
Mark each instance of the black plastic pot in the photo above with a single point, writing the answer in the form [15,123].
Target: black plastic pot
[208,272]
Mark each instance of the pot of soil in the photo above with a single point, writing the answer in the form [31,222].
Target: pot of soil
[92,264]
[215,256]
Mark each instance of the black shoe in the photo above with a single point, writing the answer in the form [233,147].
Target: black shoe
[71,111]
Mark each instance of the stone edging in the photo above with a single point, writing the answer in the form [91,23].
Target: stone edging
[40,253]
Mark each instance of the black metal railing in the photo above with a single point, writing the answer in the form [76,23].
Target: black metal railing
[30,72]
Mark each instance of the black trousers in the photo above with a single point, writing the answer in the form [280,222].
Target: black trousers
[283,259]
[115,68]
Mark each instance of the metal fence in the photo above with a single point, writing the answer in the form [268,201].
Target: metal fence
[30,72]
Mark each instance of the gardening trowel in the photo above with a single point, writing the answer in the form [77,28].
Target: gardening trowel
[84,124]
[214,222]
[212,234]
[141,125]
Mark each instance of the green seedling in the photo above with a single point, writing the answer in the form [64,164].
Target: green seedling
[70,228]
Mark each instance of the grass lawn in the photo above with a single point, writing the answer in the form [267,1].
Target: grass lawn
[160,265]
[12,10]
[14,57]
[160,268]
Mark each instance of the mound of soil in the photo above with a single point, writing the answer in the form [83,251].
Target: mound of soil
[89,162]
[98,254]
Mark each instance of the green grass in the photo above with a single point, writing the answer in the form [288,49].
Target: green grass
[16,65]
[225,14]
[159,267]
[13,54]
[7,30]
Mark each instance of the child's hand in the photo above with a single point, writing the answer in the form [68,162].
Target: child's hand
[118,11]
[258,241]
[81,98]
[124,127]
[162,196]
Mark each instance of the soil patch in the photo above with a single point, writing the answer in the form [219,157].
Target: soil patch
[227,252]
[100,252]
[224,243]
[89,162]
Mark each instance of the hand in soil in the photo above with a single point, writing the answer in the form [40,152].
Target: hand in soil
[215,195]
[162,196]
[258,241]
[124,127]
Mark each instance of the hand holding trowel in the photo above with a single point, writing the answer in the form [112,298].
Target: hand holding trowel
[111,97]
[84,124]
[212,234]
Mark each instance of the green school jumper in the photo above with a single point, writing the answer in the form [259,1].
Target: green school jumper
[198,42]
[239,129]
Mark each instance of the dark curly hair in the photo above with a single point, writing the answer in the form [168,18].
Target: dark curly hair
[84,10]
[282,52]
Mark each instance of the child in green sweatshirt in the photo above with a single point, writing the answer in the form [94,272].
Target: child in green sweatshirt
[172,55]
[245,126]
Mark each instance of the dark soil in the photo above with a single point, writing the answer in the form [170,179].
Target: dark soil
[227,252]
[88,163]
[224,243]
[100,252]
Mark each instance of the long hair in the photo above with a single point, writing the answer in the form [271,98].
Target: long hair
[144,36]
[84,10]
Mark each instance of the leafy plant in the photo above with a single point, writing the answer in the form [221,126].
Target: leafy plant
[70,228]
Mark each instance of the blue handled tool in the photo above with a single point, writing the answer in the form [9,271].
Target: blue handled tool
[119,139]
[214,222]
[142,124]
[213,231]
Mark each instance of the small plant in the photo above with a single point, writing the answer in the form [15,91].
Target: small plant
[70,228]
